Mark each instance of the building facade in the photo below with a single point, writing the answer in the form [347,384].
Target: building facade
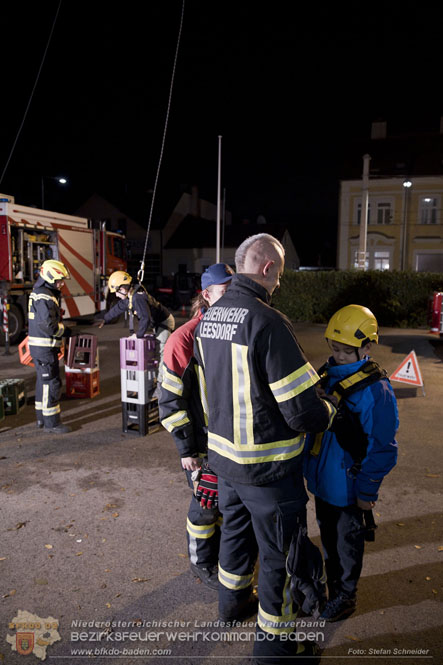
[405,224]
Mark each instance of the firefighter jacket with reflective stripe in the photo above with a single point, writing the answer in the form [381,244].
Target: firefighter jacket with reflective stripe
[328,473]
[44,319]
[260,387]
[181,411]
[148,310]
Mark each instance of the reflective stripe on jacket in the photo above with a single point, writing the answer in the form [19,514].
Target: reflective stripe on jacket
[259,387]
[181,410]
[44,318]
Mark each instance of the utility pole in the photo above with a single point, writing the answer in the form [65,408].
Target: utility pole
[361,261]
[407,184]
[217,247]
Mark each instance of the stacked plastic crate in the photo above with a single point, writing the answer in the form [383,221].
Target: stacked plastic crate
[81,367]
[138,371]
[12,396]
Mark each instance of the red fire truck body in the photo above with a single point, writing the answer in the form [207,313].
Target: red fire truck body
[29,236]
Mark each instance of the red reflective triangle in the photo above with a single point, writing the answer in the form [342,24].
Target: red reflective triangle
[408,371]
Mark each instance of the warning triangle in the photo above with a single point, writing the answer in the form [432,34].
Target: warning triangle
[408,371]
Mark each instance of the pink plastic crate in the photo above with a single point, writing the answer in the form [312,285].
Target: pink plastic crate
[138,354]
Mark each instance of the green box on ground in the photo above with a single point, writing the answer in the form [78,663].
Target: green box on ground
[13,392]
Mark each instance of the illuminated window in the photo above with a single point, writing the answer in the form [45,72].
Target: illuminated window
[381,260]
[428,210]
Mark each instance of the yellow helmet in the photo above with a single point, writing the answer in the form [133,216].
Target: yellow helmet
[51,271]
[118,279]
[354,325]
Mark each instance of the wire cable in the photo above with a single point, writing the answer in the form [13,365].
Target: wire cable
[141,272]
[32,93]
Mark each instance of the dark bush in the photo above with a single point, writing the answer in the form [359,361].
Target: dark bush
[398,299]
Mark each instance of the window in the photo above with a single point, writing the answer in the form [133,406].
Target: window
[382,212]
[375,260]
[381,260]
[428,210]
[427,262]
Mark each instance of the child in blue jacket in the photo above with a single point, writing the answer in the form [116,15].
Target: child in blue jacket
[345,465]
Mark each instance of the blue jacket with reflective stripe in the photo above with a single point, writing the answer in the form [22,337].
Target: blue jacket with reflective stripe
[259,385]
[328,474]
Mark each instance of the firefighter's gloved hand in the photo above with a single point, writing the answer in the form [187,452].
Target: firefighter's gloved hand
[207,490]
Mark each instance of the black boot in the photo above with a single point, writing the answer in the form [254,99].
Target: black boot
[58,429]
[208,576]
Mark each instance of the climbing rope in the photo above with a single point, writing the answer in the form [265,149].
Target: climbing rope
[141,272]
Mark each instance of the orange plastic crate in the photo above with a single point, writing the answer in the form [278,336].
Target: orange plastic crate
[82,384]
[25,355]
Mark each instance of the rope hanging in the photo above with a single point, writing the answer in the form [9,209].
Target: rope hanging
[141,272]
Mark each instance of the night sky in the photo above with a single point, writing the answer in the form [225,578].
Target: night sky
[289,86]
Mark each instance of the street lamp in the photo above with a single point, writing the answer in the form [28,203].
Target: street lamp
[61,181]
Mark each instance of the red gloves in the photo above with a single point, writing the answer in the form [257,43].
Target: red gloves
[207,490]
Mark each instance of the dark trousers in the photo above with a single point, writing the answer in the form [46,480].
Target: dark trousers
[265,516]
[203,534]
[342,536]
[47,389]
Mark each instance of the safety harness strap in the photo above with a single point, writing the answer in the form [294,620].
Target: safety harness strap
[131,294]
[368,374]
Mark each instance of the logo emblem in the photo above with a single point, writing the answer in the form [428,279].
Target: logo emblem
[24,643]
[32,634]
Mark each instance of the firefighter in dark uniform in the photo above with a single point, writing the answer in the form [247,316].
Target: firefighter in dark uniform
[182,415]
[46,331]
[152,316]
[261,398]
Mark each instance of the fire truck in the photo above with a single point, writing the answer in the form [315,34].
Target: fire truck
[29,236]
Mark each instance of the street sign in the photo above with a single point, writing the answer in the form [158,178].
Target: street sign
[408,371]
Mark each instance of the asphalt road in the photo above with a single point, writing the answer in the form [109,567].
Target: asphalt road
[93,531]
